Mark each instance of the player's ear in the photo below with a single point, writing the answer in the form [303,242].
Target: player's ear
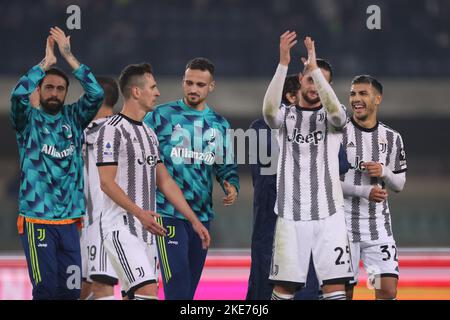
[378,99]
[212,85]
[135,92]
[291,98]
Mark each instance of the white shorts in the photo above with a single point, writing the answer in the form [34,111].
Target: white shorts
[84,256]
[379,258]
[134,261]
[326,239]
[95,263]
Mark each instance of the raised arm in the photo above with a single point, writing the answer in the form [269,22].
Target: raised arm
[327,96]
[20,96]
[273,96]
[87,106]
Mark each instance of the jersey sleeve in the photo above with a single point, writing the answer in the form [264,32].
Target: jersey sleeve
[20,97]
[397,162]
[107,146]
[154,121]
[85,109]
[225,167]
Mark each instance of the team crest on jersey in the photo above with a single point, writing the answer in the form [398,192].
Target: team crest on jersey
[67,130]
[210,136]
[321,117]
[383,146]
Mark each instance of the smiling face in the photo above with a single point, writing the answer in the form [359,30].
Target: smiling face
[364,100]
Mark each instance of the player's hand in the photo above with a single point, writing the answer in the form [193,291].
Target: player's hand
[377,194]
[62,40]
[50,58]
[374,169]
[311,62]
[287,41]
[203,233]
[148,220]
[231,192]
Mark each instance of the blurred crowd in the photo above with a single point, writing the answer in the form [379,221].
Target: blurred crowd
[239,36]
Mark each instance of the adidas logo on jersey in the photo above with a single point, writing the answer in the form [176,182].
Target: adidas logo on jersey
[313,137]
[351,145]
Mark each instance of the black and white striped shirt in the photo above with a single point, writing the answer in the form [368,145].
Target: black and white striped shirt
[308,186]
[92,191]
[133,147]
[368,220]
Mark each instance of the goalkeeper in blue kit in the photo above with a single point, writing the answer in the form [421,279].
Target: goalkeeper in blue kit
[51,197]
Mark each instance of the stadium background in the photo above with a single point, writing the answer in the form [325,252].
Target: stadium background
[410,55]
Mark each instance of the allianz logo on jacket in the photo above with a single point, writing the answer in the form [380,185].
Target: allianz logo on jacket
[51,151]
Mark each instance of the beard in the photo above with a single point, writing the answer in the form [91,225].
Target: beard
[309,100]
[194,101]
[52,105]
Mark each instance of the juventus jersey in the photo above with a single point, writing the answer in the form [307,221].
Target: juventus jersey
[368,220]
[133,147]
[308,186]
[92,192]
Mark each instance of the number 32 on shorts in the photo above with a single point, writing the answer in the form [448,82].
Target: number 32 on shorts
[385,250]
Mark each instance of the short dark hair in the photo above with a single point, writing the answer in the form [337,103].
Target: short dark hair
[57,72]
[111,90]
[202,64]
[131,76]
[291,85]
[365,78]
[324,64]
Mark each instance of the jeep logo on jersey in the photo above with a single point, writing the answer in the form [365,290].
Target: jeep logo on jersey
[313,137]
[150,160]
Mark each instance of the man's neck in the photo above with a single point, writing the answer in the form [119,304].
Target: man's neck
[199,107]
[368,123]
[133,112]
[50,112]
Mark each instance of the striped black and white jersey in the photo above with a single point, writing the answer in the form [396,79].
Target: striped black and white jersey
[133,147]
[308,186]
[92,192]
[368,220]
